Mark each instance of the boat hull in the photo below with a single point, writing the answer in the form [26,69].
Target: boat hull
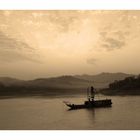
[92,104]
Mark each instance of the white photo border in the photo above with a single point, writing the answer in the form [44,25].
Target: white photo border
[69,5]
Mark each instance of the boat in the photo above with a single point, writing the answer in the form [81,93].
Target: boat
[91,102]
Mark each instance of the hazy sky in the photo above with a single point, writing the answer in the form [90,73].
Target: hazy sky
[51,43]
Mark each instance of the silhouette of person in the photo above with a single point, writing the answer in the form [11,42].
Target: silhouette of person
[92,90]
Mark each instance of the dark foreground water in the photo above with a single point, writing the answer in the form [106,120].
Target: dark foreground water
[50,113]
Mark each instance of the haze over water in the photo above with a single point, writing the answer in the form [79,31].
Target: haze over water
[50,113]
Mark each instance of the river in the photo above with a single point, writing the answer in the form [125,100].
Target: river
[50,113]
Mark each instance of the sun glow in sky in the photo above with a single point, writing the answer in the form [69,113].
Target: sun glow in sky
[51,43]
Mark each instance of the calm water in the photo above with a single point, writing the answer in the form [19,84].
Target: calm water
[51,113]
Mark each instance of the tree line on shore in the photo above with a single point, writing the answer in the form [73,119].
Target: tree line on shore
[129,83]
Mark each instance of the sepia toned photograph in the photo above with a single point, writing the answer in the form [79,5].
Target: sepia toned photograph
[69,70]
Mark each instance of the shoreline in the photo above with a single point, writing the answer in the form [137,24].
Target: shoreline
[120,92]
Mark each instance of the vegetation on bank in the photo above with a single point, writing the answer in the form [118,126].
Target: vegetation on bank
[129,83]
[128,86]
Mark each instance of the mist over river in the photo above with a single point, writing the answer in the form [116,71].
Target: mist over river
[50,113]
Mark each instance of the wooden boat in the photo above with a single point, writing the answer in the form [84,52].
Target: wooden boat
[91,103]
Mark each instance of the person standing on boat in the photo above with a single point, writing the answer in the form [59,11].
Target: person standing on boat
[92,91]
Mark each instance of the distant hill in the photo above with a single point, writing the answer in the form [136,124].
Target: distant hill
[102,80]
[61,83]
[8,81]
[11,87]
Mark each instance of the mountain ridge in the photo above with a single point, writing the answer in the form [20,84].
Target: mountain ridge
[67,81]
